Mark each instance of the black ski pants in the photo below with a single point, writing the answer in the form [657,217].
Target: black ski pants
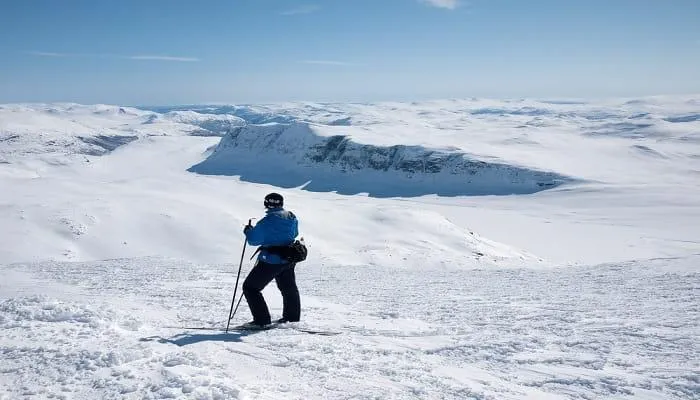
[260,276]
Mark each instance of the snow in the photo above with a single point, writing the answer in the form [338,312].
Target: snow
[121,227]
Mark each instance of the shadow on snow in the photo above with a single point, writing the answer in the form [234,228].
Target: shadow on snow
[186,339]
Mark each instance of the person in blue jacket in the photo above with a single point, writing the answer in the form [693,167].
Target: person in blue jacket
[279,227]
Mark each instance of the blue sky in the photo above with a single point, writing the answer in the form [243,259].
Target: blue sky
[148,52]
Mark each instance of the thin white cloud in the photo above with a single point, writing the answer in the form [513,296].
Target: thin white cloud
[145,57]
[307,9]
[163,58]
[449,4]
[46,54]
[327,62]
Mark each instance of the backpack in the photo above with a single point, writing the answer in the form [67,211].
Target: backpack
[294,253]
[297,251]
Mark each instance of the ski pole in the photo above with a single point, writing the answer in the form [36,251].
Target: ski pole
[235,289]
[237,304]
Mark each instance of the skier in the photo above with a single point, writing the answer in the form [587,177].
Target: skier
[277,229]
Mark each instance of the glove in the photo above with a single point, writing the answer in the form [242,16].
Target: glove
[246,229]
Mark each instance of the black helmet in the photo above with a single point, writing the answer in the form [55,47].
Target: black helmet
[274,200]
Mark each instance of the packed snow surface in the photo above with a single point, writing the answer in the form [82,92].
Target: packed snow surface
[459,249]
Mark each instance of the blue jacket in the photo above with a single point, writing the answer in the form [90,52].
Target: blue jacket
[279,227]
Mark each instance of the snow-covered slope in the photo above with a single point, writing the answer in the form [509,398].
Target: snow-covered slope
[116,329]
[60,131]
[66,129]
[121,228]
[96,213]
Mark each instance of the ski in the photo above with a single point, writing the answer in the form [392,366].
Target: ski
[248,329]
[316,332]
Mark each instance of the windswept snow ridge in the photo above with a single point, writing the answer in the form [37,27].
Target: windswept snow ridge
[249,113]
[294,155]
[210,124]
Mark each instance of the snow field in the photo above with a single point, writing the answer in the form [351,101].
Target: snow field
[586,290]
[510,334]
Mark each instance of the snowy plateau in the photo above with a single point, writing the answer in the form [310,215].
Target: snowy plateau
[461,249]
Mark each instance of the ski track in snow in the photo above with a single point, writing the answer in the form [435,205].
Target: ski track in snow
[605,331]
